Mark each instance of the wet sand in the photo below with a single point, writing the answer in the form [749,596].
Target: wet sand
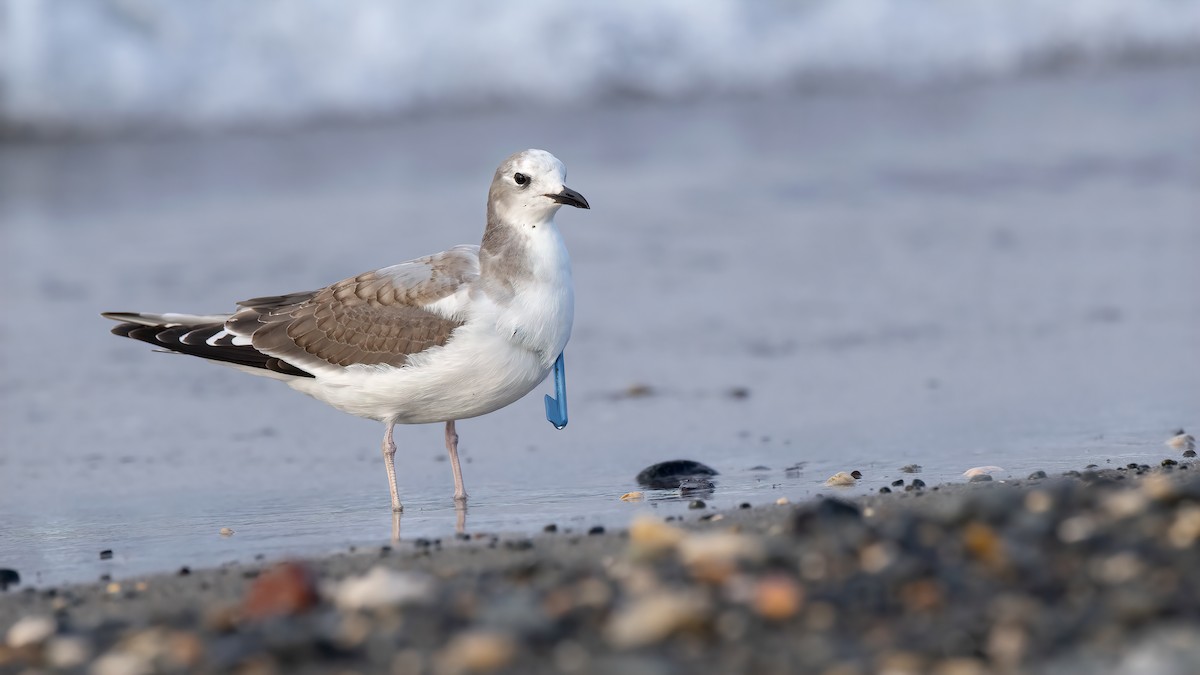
[1089,572]
[997,273]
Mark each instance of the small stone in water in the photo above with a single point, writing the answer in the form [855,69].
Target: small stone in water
[1182,441]
[1189,453]
[697,504]
[856,474]
[981,478]
[106,554]
[898,483]
[840,479]
[885,490]
[632,497]
[782,501]
[911,468]
[550,528]
[981,470]
[1037,475]
[598,529]
[226,532]
[918,483]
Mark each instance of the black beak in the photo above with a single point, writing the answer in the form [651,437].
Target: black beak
[570,198]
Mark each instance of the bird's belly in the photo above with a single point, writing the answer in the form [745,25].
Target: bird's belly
[471,376]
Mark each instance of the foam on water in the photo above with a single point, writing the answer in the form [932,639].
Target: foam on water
[123,62]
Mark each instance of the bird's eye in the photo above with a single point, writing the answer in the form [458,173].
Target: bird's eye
[521,179]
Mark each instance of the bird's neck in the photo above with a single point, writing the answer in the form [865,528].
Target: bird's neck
[516,253]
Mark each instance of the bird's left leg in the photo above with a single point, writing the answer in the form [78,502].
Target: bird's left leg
[389,463]
[460,492]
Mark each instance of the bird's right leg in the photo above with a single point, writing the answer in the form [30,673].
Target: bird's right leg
[389,463]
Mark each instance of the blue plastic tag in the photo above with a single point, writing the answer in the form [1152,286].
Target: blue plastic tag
[556,408]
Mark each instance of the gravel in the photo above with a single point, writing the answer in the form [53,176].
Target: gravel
[1090,572]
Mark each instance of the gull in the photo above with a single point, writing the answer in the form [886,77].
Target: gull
[450,336]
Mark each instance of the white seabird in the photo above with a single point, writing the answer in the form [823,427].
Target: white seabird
[453,335]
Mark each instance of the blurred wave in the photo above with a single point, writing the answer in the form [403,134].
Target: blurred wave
[122,63]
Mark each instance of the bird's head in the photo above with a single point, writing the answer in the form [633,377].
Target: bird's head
[528,187]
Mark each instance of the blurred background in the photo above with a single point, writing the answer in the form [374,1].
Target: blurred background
[825,236]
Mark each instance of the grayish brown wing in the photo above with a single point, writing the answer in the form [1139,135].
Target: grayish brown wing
[377,318]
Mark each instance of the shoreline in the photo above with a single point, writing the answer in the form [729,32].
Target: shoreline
[1084,572]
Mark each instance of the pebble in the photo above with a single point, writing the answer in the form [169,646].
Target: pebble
[670,474]
[840,479]
[226,532]
[651,536]
[478,651]
[1037,475]
[697,504]
[982,471]
[596,529]
[29,631]
[383,587]
[911,468]
[777,598]
[632,496]
[285,589]
[106,554]
[782,501]
[981,478]
[1182,441]
[651,619]
[67,651]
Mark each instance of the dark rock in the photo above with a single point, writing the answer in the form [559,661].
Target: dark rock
[981,478]
[106,554]
[550,528]
[918,484]
[898,482]
[739,393]
[598,529]
[8,578]
[1169,462]
[184,571]
[885,490]
[744,505]
[1037,475]
[697,504]
[856,474]
[668,475]
[760,467]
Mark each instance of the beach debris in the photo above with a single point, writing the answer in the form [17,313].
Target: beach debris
[8,577]
[840,479]
[982,470]
[226,532]
[383,587]
[286,589]
[653,618]
[670,474]
[778,597]
[911,468]
[477,651]
[106,554]
[1182,441]
[30,631]
[633,496]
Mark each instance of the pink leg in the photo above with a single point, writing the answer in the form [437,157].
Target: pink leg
[389,463]
[460,492]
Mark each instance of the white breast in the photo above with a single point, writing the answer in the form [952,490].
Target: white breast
[505,348]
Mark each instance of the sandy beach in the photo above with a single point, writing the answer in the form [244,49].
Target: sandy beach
[1086,572]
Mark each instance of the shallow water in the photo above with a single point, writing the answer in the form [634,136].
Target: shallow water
[996,274]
